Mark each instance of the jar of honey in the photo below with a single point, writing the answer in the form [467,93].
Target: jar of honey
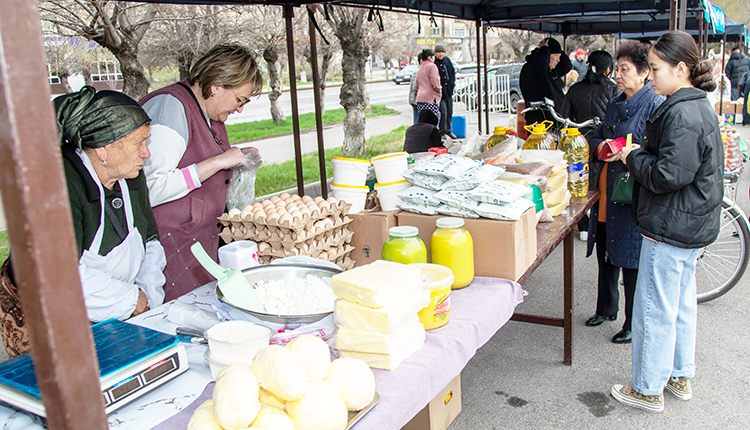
[404,246]
[451,246]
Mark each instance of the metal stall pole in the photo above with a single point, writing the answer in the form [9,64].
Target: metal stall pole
[288,15]
[682,15]
[721,93]
[486,82]
[40,228]
[672,15]
[479,76]
[318,103]
[700,34]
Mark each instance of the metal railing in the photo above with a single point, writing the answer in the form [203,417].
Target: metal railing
[498,93]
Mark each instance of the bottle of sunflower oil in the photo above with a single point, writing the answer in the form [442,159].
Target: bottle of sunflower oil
[539,138]
[500,135]
[576,149]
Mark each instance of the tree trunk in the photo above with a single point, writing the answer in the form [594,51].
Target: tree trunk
[324,65]
[135,81]
[353,92]
[274,84]
[184,61]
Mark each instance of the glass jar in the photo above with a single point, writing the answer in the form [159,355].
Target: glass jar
[451,245]
[404,246]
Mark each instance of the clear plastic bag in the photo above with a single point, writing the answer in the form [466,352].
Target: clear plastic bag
[241,190]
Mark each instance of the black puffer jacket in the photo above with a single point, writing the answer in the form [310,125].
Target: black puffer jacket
[735,69]
[538,81]
[680,170]
[588,99]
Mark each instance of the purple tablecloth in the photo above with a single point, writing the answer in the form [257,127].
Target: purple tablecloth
[477,312]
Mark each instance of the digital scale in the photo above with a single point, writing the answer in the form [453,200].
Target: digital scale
[133,360]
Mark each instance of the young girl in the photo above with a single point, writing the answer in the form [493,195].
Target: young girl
[679,169]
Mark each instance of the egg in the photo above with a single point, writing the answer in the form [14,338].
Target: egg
[318,199]
[285,219]
[291,207]
[247,214]
[328,221]
[332,200]
[296,214]
[323,255]
[319,225]
[305,210]
[332,253]
[281,210]
[307,199]
[324,205]
[280,203]
[233,212]
[260,216]
[267,203]
[284,196]
[257,205]
[275,199]
[296,198]
[273,217]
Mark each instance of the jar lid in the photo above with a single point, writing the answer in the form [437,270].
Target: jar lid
[403,231]
[449,222]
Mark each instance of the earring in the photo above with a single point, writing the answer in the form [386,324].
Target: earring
[104,163]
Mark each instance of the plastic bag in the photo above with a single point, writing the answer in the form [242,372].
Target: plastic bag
[419,195]
[447,165]
[511,211]
[498,192]
[451,210]
[473,145]
[432,182]
[419,208]
[472,178]
[241,190]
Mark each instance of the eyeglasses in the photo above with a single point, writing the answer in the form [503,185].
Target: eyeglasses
[241,100]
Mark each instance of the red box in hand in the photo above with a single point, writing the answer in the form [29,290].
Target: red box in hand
[612,147]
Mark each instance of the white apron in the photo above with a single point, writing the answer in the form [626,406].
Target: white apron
[108,281]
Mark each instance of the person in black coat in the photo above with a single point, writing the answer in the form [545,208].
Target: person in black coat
[589,97]
[448,82]
[423,135]
[679,173]
[745,91]
[542,77]
[737,66]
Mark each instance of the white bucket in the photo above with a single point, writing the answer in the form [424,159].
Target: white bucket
[352,194]
[388,194]
[350,171]
[388,167]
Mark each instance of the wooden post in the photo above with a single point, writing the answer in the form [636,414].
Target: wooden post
[672,15]
[486,82]
[318,103]
[44,251]
[288,15]
[682,15]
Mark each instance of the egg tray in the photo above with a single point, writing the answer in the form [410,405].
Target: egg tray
[265,248]
[331,253]
[340,209]
[339,237]
[272,234]
[345,262]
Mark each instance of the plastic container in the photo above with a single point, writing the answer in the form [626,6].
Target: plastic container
[500,134]
[539,138]
[350,171]
[404,246]
[451,246]
[438,280]
[576,149]
[388,167]
[237,340]
[240,254]
[213,363]
[439,150]
[418,158]
[458,126]
[388,194]
[356,195]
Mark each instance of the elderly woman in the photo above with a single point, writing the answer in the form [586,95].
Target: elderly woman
[428,85]
[190,168]
[612,227]
[121,260]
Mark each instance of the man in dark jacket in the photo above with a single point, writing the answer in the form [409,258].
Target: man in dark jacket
[745,91]
[738,65]
[423,135]
[542,77]
[448,82]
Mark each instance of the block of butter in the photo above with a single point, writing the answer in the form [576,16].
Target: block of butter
[387,361]
[354,316]
[377,284]
[402,339]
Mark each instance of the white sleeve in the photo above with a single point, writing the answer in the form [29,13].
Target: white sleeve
[150,278]
[167,144]
[105,296]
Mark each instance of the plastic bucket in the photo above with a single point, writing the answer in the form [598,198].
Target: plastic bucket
[352,194]
[439,280]
[349,171]
[388,194]
[418,158]
[388,167]
[458,126]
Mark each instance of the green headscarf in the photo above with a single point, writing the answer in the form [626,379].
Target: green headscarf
[91,119]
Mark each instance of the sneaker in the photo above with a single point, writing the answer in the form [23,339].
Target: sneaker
[628,396]
[680,387]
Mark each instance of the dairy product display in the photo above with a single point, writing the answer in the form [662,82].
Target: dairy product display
[377,284]
[384,361]
[350,315]
[403,339]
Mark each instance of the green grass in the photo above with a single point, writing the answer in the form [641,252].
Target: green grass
[273,178]
[4,246]
[254,130]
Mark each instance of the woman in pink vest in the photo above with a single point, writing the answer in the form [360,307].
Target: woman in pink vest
[428,85]
[191,159]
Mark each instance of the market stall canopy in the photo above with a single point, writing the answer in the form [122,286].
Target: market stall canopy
[735,32]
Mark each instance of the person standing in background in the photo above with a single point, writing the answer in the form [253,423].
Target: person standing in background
[580,65]
[738,65]
[448,83]
[413,91]
[428,84]
[542,77]
[745,92]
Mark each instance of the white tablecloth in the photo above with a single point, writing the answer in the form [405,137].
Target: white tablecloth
[477,312]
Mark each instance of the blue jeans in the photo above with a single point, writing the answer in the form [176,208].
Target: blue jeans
[664,316]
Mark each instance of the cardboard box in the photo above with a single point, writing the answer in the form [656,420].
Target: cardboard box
[502,249]
[729,107]
[441,411]
[370,233]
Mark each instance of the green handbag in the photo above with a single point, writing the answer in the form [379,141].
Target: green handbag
[622,193]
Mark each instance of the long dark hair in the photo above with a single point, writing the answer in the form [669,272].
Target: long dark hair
[677,46]
[599,62]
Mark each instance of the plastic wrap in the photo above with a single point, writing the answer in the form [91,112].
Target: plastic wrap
[419,208]
[384,320]
[420,195]
[497,192]
[472,178]
[432,182]
[241,190]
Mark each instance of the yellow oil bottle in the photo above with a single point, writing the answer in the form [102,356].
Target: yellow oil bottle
[500,134]
[539,138]
[576,149]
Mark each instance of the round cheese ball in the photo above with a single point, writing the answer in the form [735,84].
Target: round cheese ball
[267,398]
[236,397]
[203,418]
[355,380]
[321,408]
[314,354]
[270,418]
[280,372]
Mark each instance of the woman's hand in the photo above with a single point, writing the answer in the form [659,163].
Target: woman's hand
[623,154]
[226,160]
[142,305]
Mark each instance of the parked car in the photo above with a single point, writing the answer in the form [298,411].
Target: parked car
[514,70]
[405,74]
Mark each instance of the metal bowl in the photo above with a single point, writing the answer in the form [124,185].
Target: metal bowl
[282,273]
